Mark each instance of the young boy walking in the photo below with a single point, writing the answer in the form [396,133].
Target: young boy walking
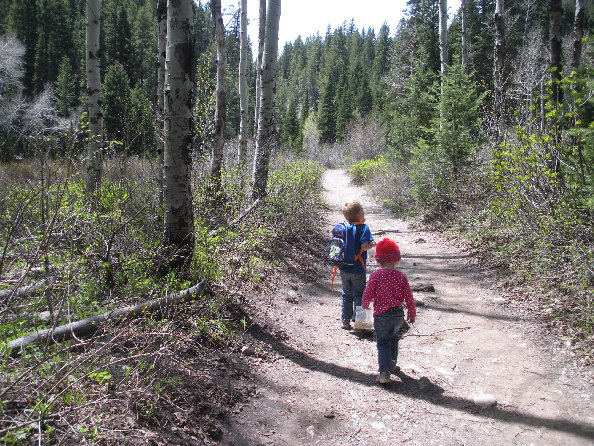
[388,289]
[354,278]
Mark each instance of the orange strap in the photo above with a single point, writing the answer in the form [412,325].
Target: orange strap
[358,256]
[333,275]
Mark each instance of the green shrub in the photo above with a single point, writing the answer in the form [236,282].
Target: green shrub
[361,171]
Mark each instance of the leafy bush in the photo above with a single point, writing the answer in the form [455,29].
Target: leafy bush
[360,171]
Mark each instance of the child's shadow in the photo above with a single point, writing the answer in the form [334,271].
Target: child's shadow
[410,386]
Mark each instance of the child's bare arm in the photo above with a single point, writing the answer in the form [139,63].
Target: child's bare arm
[369,245]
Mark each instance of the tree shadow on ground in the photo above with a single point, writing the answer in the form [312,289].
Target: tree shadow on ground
[501,317]
[422,389]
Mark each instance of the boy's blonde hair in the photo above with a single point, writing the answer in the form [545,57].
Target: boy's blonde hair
[351,210]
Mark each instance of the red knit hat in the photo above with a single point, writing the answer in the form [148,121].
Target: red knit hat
[387,251]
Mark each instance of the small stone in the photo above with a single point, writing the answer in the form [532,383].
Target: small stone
[247,350]
[311,431]
[377,425]
[484,400]
[330,415]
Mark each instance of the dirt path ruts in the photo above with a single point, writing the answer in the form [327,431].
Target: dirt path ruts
[465,352]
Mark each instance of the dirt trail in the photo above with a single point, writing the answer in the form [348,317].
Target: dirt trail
[465,351]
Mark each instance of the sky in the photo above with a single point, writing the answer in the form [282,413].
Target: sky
[308,17]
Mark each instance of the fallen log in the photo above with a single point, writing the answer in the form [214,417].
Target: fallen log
[25,290]
[90,325]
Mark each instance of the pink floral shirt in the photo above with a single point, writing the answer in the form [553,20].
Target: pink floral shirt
[388,288]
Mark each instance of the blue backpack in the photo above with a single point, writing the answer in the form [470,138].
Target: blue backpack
[342,248]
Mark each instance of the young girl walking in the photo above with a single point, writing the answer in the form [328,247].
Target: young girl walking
[388,289]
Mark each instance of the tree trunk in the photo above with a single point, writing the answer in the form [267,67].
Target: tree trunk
[498,59]
[92,324]
[243,93]
[555,17]
[261,36]
[95,154]
[443,36]
[221,96]
[464,47]
[443,51]
[177,130]
[578,34]
[161,45]
[264,140]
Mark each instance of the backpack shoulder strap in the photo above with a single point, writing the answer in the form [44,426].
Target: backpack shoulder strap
[358,233]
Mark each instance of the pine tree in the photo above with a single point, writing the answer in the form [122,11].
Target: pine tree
[291,128]
[344,110]
[327,111]
[65,88]
[117,104]
[380,66]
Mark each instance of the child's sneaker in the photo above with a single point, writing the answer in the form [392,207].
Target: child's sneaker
[383,378]
[346,324]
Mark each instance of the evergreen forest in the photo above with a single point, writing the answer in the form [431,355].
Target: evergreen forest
[481,130]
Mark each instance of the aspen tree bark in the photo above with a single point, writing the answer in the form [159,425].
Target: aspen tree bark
[443,36]
[221,95]
[261,36]
[264,139]
[161,50]
[443,49]
[95,115]
[243,93]
[177,131]
[464,47]
[578,34]
[498,58]
[555,38]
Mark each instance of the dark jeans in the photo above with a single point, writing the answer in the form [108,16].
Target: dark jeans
[353,286]
[386,333]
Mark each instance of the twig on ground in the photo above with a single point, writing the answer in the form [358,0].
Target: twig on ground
[437,332]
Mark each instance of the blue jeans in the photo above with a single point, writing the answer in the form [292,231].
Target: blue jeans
[386,333]
[353,286]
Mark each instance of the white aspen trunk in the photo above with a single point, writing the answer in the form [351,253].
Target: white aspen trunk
[498,58]
[177,131]
[443,36]
[221,95]
[464,47]
[95,154]
[243,93]
[578,34]
[261,36]
[161,52]
[443,50]
[264,139]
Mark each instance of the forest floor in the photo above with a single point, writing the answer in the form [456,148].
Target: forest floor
[474,369]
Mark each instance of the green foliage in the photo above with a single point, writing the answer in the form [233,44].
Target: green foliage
[294,203]
[291,132]
[117,104]
[360,171]
[412,108]
[65,91]
[437,163]
[204,105]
